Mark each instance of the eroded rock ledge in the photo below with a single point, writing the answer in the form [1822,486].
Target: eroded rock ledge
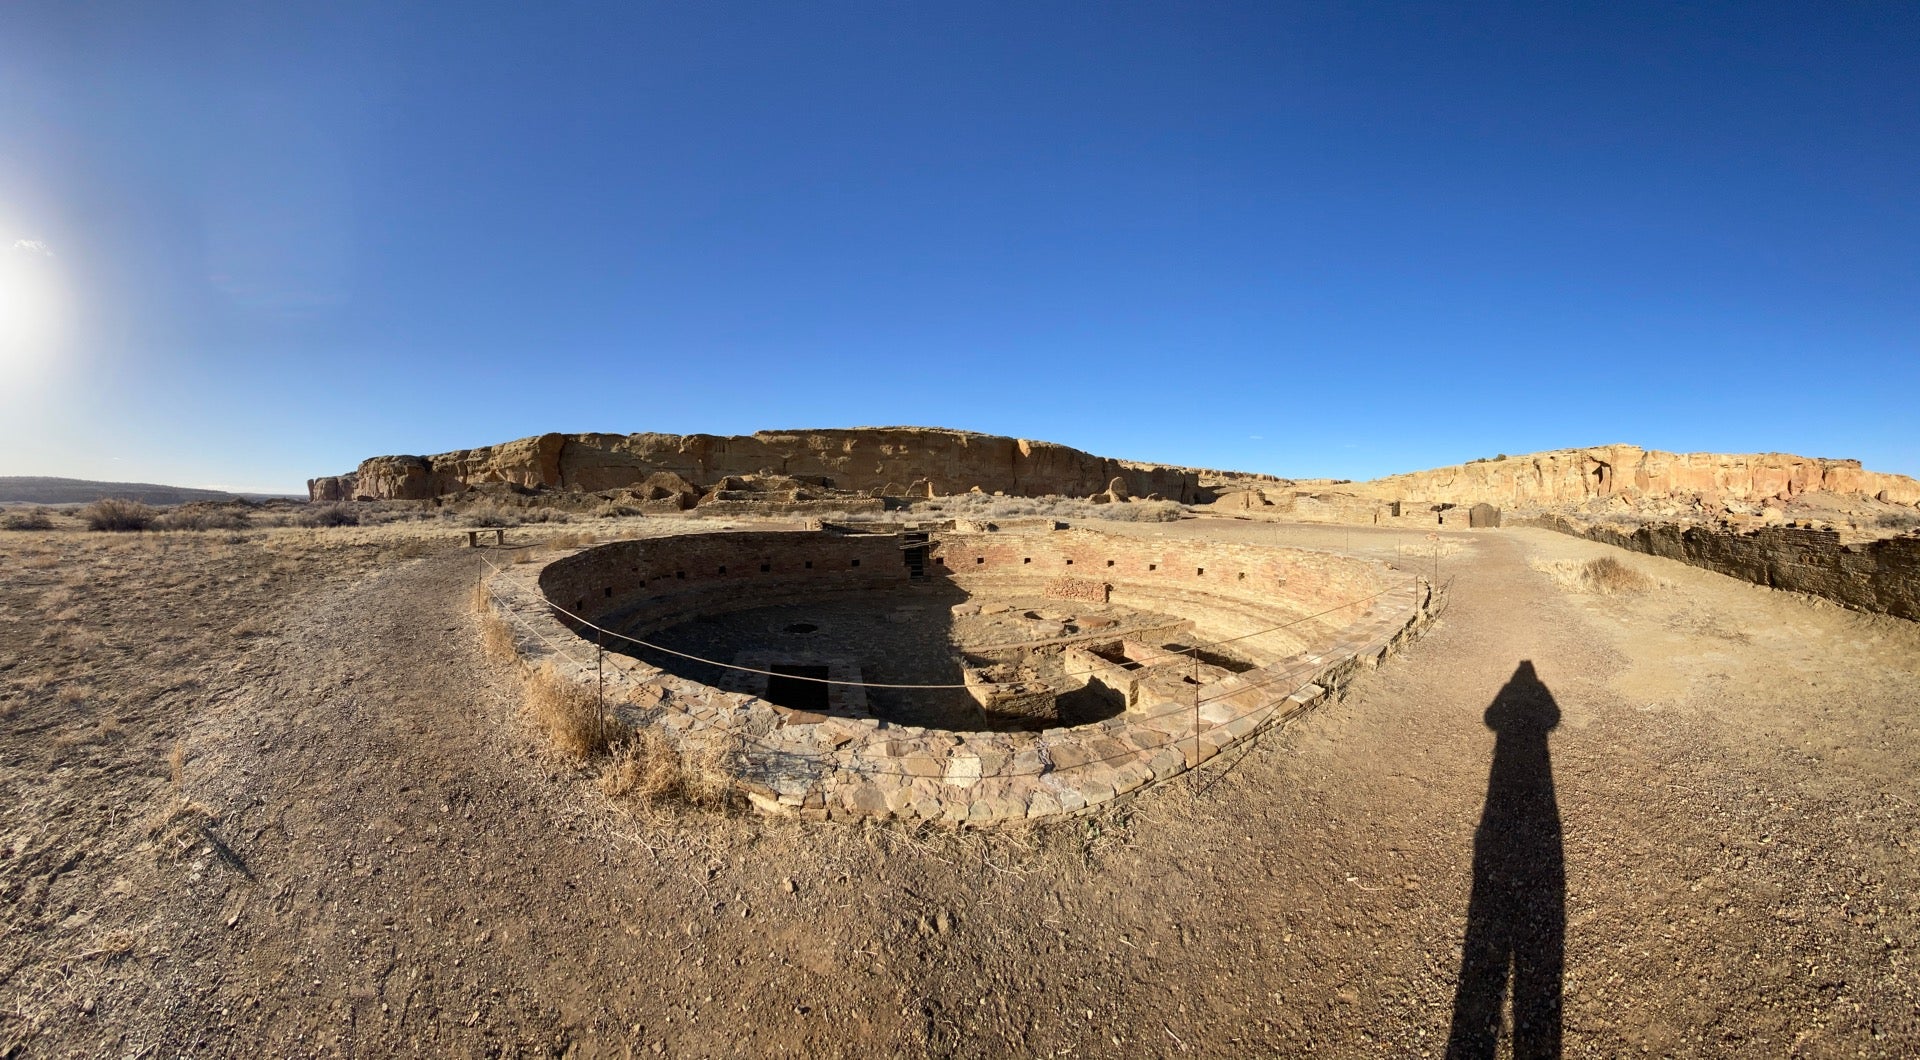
[901,461]
[1573,476]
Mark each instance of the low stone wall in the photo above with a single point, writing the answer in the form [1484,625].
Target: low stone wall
[1882,576]
[833,766]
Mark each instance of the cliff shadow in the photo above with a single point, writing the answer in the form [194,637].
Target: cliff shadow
[1516,917]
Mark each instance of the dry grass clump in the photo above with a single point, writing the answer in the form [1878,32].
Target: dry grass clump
[27,519]
[112,513]
[642,764]
[569,714]
[1605,576]
[648,766]
[1609,575]
[495,635]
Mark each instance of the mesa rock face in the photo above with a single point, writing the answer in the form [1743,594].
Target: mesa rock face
[1574,476]
[898,461]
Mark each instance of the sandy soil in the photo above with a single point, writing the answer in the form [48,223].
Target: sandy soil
[266,796]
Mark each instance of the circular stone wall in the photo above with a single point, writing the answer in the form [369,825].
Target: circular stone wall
[1073,666]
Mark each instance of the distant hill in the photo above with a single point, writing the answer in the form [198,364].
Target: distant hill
[34,489]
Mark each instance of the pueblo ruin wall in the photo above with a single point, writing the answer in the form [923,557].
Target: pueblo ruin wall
[898,461]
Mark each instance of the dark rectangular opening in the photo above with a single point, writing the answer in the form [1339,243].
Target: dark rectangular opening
[766,568]
[1114,654]
[1230,663]
[809,564]
[789,687]
[856,563]
[723,570]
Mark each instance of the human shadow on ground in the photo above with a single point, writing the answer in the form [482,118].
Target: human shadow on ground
[1516,917]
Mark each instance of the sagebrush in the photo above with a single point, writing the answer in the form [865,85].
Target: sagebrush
[113,513]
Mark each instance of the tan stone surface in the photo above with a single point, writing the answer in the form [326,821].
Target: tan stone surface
[933,460]
[1571,476]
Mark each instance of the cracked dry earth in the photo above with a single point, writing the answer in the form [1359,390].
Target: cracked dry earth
[360,848]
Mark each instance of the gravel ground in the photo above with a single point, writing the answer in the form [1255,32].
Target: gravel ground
[1699,795]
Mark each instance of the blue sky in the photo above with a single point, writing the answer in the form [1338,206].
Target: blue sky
[241,245]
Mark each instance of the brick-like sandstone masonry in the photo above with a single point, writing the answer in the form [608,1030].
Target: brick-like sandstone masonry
[1339,615]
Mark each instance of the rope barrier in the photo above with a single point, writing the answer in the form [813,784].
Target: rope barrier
[1047,765]
[1174,654]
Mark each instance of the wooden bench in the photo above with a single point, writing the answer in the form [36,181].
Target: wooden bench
[473,537]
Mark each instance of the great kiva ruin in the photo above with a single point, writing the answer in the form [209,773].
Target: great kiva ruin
[916,644]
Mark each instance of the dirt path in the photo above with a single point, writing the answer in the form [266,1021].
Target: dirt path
[410,875]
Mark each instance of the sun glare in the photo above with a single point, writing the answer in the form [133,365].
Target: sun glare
[34,309]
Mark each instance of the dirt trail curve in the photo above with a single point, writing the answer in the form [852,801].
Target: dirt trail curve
[410,877]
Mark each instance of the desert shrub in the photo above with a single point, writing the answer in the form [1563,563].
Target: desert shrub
[112,513]
[547,515]
[615,511]
[492,516]
[1609,575]
[1137,512]
[1897,520]
[204,519]
[337,514]
[1605,576]
[27,519]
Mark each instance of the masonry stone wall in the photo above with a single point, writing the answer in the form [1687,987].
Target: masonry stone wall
[1882,576]
[657,582]
[1228,591]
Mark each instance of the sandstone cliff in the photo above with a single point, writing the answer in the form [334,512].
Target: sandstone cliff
[1629,473]
[893,459]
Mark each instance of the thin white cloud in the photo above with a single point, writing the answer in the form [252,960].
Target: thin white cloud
[1255,437]
[33,246]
